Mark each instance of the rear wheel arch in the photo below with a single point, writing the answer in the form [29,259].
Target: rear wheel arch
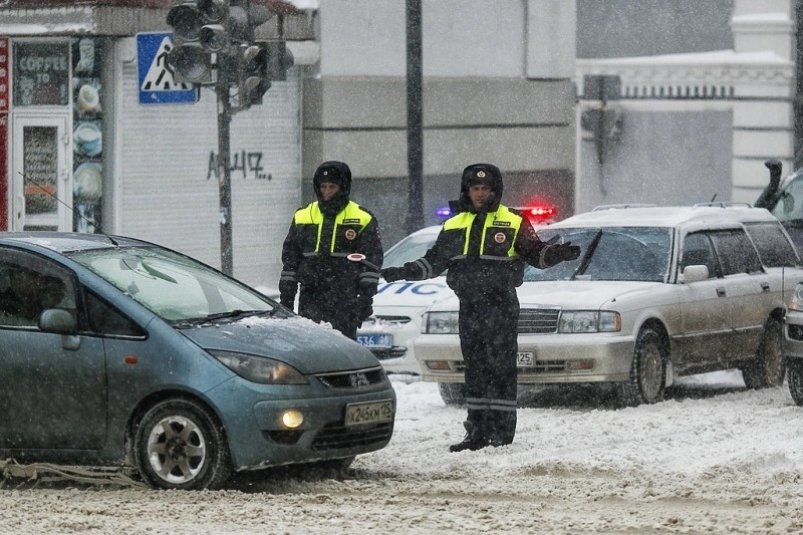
[768,368]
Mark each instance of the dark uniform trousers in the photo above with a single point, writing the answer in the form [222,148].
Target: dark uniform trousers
[488,340]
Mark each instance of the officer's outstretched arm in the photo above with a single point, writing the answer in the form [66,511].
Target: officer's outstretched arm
[432,264]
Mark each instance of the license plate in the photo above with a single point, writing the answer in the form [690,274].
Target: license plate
[525,359]
[375,340]
[371,412]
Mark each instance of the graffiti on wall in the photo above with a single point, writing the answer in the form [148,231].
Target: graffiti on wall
[244,164]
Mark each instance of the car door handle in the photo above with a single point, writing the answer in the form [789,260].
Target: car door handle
[765,286]
[721,292]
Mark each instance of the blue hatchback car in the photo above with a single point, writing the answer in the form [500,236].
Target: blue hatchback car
[115,351]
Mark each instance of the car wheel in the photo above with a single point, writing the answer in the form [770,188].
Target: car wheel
[453,393]
[179,445]
[768,368]
[647,372]
[795,378]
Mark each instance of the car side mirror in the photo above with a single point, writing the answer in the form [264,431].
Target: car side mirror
[57,320]
[694,273]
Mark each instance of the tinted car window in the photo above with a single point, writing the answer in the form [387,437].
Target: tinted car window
[735,251]
[30,284]
[773,246]
[697,250]
[107,320]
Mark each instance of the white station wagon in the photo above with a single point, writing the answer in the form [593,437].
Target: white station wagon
[657,292]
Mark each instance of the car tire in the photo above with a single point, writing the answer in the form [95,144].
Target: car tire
[179,445]
[768,368]
[794,370]
[453,393]
[647,372]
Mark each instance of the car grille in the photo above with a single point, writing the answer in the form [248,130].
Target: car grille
[336,436]
[353,379]
[541,366]
[538,320]
[394,319]
[384,353]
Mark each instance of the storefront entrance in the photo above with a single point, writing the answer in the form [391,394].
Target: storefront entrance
[41,177]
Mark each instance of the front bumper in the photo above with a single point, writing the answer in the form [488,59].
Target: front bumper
[401,357]
[559,358]
[257,438]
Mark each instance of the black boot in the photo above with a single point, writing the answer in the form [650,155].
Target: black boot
[474,440]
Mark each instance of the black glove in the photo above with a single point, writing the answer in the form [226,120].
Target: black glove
[567,251]
[364,308]
[393,274]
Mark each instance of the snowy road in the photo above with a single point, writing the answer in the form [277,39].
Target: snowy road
[714,458]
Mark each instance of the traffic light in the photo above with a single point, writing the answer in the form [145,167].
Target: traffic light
[279,60]
[194,40]
[253,74]
[259,65]
[244,17]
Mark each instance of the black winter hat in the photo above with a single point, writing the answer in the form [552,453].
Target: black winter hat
[478,174]
[334,172]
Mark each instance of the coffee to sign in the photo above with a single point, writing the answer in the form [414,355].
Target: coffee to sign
[41,74]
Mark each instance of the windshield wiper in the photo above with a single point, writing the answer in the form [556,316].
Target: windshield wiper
[581,268]
[231,315]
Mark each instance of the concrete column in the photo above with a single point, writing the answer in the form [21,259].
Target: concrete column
[763,33]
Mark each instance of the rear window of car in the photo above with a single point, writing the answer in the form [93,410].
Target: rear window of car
[736,252]
[773,246]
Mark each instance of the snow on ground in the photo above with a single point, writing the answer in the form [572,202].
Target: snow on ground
[713,458]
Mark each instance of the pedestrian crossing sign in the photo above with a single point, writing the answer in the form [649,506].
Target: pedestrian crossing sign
[156,82]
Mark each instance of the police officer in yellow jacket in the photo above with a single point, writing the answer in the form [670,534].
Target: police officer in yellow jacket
[484,247]
[333,251]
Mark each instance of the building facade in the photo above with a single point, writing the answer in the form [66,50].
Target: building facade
[96,136]
[497,87]
[704,94]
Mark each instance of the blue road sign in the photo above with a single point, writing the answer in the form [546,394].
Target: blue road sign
[156,82]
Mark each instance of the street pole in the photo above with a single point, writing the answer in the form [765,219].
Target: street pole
[224,172]
[415,137]
[797,99]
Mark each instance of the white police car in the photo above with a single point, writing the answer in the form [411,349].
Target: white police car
[399,306]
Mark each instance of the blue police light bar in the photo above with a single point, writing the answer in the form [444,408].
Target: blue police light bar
[443,212]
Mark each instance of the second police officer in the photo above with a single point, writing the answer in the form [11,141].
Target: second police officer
[333,252]
[484,247]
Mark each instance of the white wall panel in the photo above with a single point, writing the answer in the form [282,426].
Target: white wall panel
[167,194]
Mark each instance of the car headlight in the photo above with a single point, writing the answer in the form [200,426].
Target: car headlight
[797,298]
[441,323]
[589,321]
[259,369]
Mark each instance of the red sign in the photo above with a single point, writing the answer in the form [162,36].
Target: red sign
[4,74]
